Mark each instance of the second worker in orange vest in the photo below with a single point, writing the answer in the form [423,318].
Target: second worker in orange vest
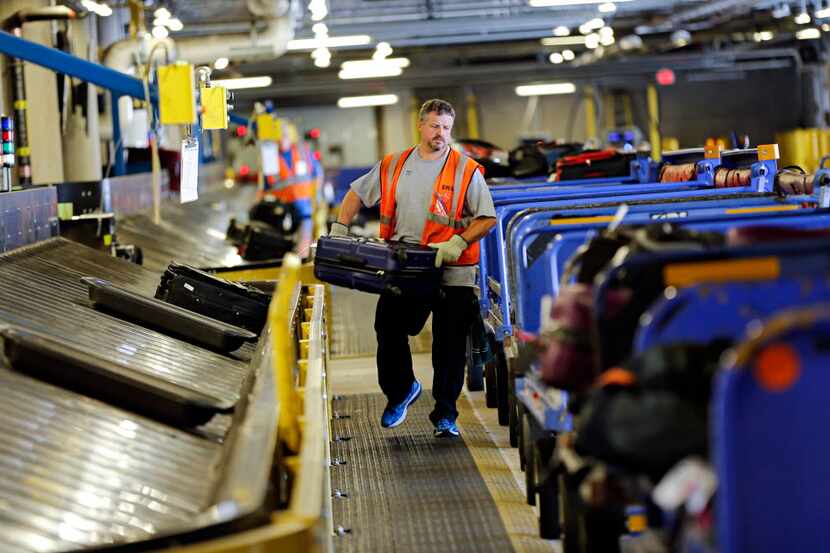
[434,195]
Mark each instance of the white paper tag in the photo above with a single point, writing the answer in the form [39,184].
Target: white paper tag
[301,169]
[270,163]
[189,186]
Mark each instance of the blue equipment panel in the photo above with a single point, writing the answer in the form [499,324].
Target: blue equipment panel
[772,455]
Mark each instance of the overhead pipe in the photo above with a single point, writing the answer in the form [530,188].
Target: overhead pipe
[14,25]
[268,44]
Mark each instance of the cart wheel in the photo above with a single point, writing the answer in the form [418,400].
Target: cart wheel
[490,385]
[547,490]
[527,451]
[513,419]
[571,507]
[475,372]
[501,390]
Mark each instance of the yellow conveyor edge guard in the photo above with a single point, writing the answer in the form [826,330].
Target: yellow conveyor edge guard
[305,527]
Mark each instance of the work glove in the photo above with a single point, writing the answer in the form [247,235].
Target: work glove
[449,251]
[338,229]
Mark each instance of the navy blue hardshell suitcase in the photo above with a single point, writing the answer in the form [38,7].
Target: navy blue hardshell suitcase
[376,266]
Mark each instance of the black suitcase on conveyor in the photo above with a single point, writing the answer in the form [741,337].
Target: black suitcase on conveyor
[64,364]
[283,217]
[376,266]
[217,298]
[166,317]
[262,242]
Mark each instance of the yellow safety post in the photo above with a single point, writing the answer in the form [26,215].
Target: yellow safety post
[628,111]
[654,123]
[472,115]
[610,111]
[590,114]
[283,353]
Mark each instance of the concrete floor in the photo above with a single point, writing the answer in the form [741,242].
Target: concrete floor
[497,462]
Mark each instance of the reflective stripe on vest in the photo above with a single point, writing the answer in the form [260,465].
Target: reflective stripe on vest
[292,187]
[445,216]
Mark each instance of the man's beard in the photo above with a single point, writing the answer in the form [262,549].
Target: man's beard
[436,144]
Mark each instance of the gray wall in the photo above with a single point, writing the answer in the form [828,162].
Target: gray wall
[759,104]
[352,129]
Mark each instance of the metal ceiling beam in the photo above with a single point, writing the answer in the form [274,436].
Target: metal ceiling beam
[619,71]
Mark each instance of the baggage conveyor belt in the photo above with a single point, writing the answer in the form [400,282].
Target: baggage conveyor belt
[41,290]
[406,491]
[193,234]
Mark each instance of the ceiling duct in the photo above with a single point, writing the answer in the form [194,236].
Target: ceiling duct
[267,43]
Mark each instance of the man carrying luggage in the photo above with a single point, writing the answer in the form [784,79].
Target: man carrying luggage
[429,194]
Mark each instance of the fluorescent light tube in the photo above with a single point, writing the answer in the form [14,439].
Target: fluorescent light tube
[370,72]
[545,89]
[243,82]
[563,41]
[808,34]
[328,42]
[366,101]
[357,65]
[558,3]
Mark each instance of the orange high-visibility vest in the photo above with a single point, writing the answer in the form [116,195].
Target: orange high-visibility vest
[445,216]
[291,187]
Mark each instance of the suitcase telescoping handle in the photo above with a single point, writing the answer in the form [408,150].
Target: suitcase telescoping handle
[351,259]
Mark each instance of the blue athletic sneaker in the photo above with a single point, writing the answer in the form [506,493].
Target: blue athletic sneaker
[446,428]
[394,415]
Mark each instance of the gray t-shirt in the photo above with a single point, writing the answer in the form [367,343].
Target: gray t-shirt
[414,195]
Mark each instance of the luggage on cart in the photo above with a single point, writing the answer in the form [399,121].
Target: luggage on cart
[594,165]
[262,242]
[64,364]
[375,266]
[165,317]
[283,217]
[223,300]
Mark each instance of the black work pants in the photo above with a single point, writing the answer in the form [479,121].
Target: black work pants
[399,317]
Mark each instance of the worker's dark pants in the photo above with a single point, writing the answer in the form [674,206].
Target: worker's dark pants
[399,317]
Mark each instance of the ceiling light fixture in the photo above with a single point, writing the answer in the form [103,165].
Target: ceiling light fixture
[808,34]
[607,7]
[545,89]
[370,72]
[221,63]
[175,24]
[367,101]
[803,18]
[561,3]
[568,55]
[823,13]
[557,58]
[564,41]
[244,82]
[318,9]
[160,32]
[329,42]
[358,65]
[592,41]
[561,31]
[97,8]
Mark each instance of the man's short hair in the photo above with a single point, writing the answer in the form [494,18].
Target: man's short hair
[441,107]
